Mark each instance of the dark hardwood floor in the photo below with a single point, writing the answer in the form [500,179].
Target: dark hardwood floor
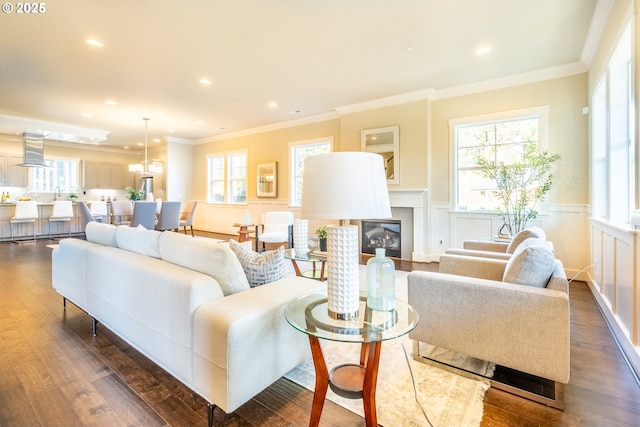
[53,372]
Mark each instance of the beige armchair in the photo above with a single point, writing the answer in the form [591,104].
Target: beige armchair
[498,250]
[512,313]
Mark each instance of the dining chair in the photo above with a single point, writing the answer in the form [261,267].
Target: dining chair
[169,218]
[276,227]
[121,212]
[186,217]
[85,214]
[144,213]
[98,209]
[62,212]
[26,212]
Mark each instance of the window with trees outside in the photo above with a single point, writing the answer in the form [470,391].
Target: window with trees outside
[298,152]
[60,174]
[227,178]
[497,137]
[612,149]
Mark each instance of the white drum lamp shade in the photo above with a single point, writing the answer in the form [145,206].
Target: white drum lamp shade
[344,186]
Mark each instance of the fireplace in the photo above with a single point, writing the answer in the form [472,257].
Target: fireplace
[381,234]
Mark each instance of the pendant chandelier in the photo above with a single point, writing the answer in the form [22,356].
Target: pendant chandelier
[146,168]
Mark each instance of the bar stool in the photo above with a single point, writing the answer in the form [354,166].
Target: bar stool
[98,209]
[26,212]
[62,212]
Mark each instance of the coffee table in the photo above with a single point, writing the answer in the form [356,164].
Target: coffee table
[314,273]
[309,314]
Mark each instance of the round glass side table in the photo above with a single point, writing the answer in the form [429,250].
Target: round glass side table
[309,314]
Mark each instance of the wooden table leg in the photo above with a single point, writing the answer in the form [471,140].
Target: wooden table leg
[322,381]
[370,355]
[295,267]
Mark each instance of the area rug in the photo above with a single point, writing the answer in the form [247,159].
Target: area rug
[445,398]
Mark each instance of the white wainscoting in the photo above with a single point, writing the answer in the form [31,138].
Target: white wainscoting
[615,283]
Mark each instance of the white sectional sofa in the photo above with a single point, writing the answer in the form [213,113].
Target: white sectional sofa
[186,304]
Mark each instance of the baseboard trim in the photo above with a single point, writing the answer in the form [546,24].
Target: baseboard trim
[627,349]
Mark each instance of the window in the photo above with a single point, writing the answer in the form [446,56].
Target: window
[227,178]
[60,175]
[612,127]
[500,137]
[298,152]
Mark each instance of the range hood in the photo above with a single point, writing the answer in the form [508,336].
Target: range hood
[33,150]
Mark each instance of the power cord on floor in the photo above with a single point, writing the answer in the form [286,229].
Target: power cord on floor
[413,381]
[576,275]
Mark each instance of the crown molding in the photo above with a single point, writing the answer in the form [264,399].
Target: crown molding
[271,127]
[388,101]
[513,80]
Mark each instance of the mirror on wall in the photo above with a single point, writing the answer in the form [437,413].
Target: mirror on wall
[384,141]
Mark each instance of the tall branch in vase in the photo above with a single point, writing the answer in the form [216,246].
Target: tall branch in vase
[521,185]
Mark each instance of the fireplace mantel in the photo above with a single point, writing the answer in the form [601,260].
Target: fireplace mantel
[417,200]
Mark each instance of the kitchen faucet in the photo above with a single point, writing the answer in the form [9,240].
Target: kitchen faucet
[56,193]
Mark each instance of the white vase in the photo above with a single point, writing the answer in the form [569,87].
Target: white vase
[301,235]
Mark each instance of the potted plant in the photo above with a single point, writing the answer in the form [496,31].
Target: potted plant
[73,197]
[321,232]
[520,185]
[134,194]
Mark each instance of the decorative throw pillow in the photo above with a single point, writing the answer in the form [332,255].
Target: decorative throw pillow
[260,268]
[527,233]
[206,256]
[530,265]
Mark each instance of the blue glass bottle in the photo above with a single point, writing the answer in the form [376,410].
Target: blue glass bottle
[381,282]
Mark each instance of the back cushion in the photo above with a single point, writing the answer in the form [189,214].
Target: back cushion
[523,235]
[208,257]
[138,240]
[103,234]
[531,265]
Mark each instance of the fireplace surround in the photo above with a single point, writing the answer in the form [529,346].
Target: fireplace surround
[382,234]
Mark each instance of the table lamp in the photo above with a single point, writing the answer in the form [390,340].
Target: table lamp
[344,186]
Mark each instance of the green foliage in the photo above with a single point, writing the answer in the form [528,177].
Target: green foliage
[321,232]
[134,194]
[522,184]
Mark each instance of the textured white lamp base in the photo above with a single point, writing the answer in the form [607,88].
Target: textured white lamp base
[343,290]
[301,235]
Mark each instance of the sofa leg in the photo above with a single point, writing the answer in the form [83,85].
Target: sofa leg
[94,326]
[64,303]
[210,409]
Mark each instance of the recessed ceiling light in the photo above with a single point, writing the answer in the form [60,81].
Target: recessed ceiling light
[483,50]
[171,130]
[86,114]
[156,140]
[273,105]
[205,82]
[126,147]
[111,102]
[94,42]
[200,122]
[140,144]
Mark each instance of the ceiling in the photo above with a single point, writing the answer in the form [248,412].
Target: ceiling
[307,58]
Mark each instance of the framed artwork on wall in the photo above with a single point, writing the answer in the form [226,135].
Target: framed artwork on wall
[267,179]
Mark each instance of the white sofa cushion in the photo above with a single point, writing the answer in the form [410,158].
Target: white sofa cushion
[260,268]
[103,234]
[138,240]
[212,258]
[532,264]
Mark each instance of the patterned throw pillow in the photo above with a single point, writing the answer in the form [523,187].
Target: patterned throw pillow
[260,268]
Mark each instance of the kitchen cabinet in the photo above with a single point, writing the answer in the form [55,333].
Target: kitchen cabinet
[12,175]
[120,176]
[104,175]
